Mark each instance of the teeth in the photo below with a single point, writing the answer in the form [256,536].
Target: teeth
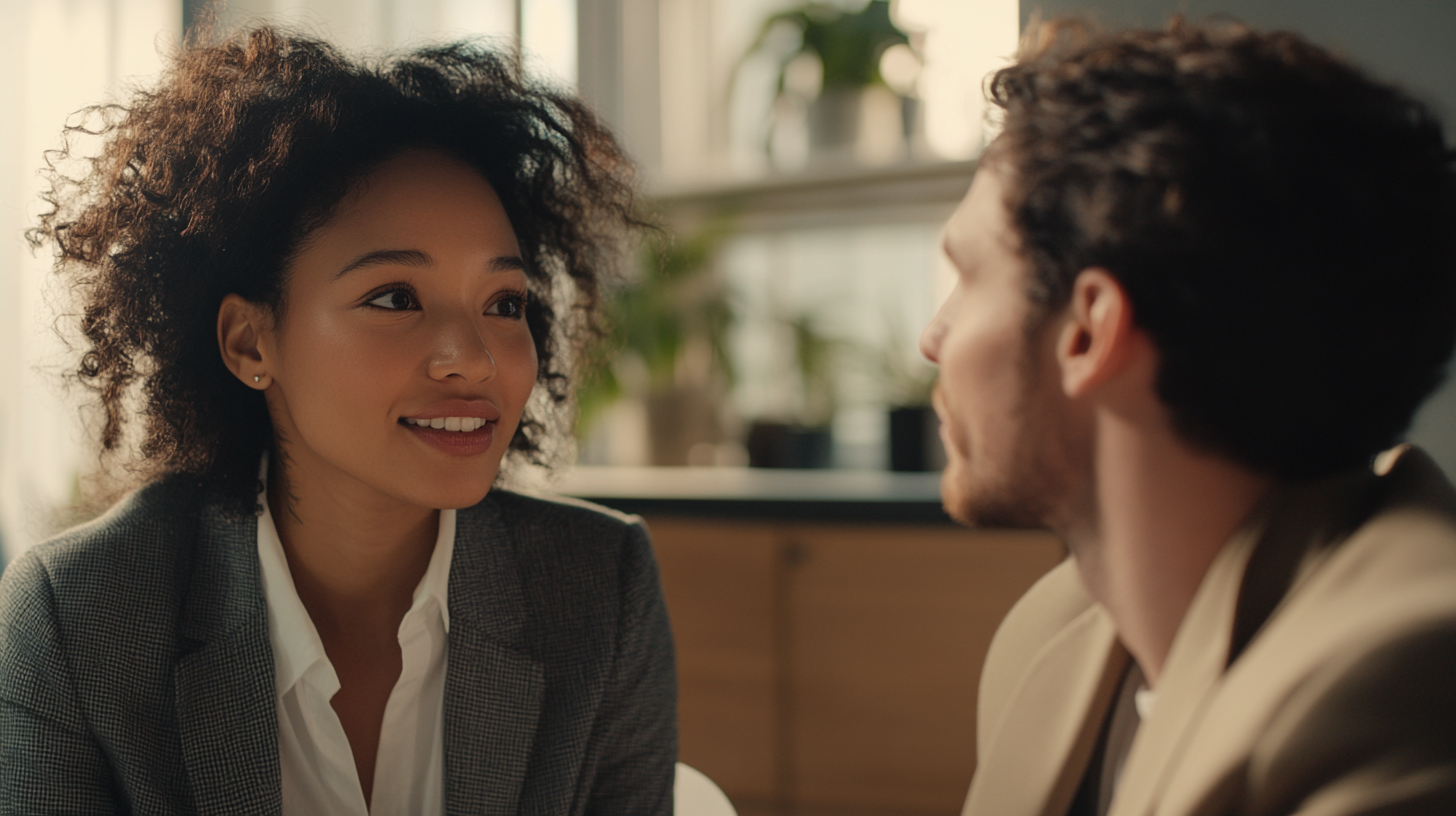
[462,424]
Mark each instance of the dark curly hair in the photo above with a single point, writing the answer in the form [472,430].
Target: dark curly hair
[1284,226]
[207,183]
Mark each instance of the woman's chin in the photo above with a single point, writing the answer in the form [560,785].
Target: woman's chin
[450,494]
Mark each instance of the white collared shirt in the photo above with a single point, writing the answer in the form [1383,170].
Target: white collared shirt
[319,777]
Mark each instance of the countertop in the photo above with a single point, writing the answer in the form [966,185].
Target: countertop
[761,493]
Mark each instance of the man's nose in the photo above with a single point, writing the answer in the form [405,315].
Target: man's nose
[930,339]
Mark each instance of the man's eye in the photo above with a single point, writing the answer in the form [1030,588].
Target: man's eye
[513,306]
[396,300]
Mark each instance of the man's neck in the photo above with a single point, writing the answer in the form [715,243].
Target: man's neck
[1163,512]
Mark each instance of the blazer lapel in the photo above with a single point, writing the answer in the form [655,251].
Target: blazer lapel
[1191,675]
[493,686]
[1057,712]
[1248,581]
[226,711]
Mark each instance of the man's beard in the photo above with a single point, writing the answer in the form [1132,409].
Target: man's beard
[1034,488]
[1024,496]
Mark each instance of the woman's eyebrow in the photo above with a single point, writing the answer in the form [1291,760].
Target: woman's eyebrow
[392,257]
[416,258]
[507,263]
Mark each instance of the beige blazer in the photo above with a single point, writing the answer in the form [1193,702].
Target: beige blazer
[1314,673]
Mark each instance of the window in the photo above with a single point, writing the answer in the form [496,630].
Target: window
[834,197]
[58,58]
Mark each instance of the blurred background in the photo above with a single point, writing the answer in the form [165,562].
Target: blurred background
[761,399]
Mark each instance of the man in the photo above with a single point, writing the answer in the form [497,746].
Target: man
[1205,276]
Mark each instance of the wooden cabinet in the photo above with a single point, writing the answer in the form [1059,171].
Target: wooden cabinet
[833,668]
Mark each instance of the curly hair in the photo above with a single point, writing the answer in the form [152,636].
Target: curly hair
[207,183]
[1284,226]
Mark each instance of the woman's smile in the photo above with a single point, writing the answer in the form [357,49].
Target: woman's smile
[456,427]
[458,442]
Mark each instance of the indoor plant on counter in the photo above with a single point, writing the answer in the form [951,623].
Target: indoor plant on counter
[665,345]
[908,381]
[805,441]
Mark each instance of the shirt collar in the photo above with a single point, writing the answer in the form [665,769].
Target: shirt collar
[436,582]
[294,639]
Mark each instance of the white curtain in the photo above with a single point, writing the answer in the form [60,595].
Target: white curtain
[57,56]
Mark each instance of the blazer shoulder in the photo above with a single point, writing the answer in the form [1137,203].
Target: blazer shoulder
[555,509]
[137,536]
[107,590]
[562,530]
[565,551]
[118,579]
[1395,571]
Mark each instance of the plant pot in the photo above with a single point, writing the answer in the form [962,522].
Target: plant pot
[679,419]
[915,439]
[834,120]
[862,125]
[781,445]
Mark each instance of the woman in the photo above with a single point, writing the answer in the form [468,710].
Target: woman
[334,297]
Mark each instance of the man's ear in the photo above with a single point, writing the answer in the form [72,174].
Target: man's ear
[241,331]
[1098,339]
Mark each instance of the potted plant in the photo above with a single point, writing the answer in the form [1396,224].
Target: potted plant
[914,428]
[806,440]
[847,46]
[669,325]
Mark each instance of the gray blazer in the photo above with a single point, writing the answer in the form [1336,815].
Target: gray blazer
[136,674]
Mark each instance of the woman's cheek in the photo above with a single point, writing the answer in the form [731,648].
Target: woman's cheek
[523,370]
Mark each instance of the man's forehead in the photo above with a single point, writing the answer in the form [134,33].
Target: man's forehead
[981,222]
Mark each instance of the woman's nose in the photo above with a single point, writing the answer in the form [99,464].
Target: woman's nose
[461,350]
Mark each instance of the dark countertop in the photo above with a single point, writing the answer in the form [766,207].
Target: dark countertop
[754,493]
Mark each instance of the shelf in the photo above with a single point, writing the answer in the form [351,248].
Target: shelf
[831,196]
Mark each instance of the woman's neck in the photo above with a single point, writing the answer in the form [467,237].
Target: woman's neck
[355,556]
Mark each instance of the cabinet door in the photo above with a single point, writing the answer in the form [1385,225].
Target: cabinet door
[719,580]
[887,631]
[833,668]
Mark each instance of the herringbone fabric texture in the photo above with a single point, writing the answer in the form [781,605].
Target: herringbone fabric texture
[136,675]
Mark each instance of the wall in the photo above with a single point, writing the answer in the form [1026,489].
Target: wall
[1411,42]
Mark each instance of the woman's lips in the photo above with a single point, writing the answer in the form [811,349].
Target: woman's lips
[455,443]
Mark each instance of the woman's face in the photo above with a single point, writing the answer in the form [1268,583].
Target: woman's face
[403,361]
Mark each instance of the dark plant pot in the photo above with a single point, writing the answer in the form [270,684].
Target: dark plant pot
[915,439]
[781,445]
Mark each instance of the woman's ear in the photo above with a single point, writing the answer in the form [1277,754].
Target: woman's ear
[1098,339]
[241,331]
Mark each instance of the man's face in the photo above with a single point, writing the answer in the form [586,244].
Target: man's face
[1004,421]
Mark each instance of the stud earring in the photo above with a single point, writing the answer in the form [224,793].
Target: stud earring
[257,378]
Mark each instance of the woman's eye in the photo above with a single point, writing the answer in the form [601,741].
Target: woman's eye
[397,300]
[512,306]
